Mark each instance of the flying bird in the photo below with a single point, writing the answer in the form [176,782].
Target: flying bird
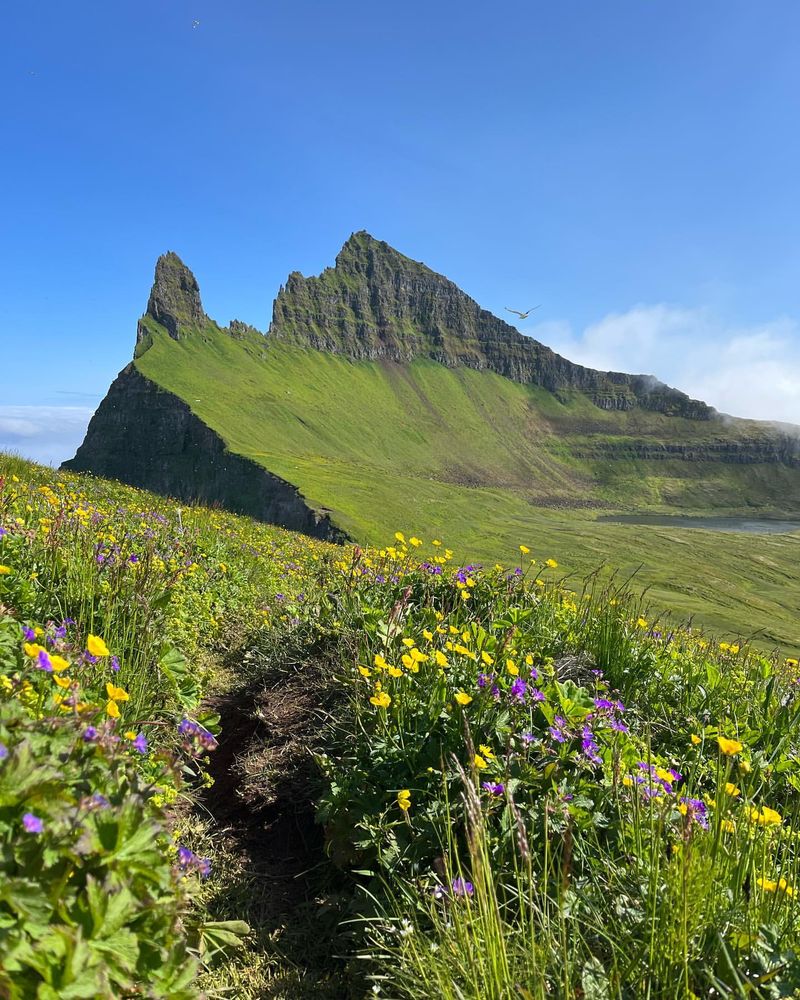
[195,24]
[521,315]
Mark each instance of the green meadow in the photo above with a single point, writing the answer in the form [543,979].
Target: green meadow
[485,463]
[240,762]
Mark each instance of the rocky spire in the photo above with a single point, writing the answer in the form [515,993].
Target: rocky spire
[175,297]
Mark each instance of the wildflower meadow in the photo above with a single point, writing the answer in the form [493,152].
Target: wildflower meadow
[523,786]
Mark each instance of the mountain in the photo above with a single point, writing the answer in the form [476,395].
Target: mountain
[383,396]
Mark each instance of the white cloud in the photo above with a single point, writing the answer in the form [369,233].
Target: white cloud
[47,434]
[748,372]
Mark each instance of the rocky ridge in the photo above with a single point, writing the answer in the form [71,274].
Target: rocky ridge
[377,304]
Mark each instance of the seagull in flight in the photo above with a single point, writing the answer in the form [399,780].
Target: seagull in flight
[195,24]
[521,315]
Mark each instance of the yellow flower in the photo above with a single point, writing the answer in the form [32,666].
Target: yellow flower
[379,662]
[487,659]
[732,790]
[524,549]
[409,642]
[381,699]
[627,781]
[695,739]
[32,649]
[400,537]
[487,752]
[58,663]
[729,747]
[552,564]
[365,671]
[441,659]
[765,816]
[463,698]
[130,735]
[728,826]
[96,646]
[512,668]
[409,663]
[465,595]
[416,542]
[116,694]
[427,634]
[641,622]
[479,762]
[5,570]
[63,682]
[112,709]
[395,671]
[767,884]
[745,766]
[404,799]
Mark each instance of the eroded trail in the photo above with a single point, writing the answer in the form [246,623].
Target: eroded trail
[261,804]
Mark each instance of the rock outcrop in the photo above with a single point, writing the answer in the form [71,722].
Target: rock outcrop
[147,437]
[377,304]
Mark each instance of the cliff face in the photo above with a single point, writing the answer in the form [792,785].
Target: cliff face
[149,438]
[377,304]
[780,450]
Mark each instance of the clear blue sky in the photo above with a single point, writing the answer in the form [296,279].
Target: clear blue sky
[633,166]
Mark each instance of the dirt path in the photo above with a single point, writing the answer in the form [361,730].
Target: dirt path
[261,803]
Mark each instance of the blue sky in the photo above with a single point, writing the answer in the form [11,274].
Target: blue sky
[632,166]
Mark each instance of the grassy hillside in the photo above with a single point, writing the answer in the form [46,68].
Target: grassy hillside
[240,762]
[486,462]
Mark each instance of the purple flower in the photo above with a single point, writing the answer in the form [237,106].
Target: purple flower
[29,634]
[528,738]
[89,734]
[696,810]
[462,887]
[518,689]
[604,705]
[483,680]
[3,751]
[185,856]
[188,861]
[32,823]
[493,787]
[537,695]
[115,663]
[589,746]
[43,662]
[140,743]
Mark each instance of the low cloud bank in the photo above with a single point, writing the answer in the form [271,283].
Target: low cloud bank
[745,371]
[47,434]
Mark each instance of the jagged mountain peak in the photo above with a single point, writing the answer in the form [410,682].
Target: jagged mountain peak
[174,300]
[378,305]
[362,247]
